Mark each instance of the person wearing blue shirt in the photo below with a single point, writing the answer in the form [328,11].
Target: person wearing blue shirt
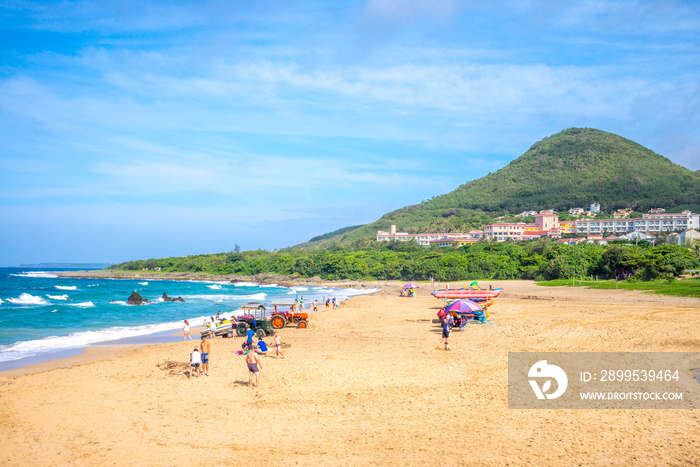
[249,339]
[262,347]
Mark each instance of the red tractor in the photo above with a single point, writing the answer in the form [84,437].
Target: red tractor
[280,319]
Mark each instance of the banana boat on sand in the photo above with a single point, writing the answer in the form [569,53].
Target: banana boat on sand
[483,294]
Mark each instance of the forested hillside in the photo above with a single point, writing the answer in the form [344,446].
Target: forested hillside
[573,168]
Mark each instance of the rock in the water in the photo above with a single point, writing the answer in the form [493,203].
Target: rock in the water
[136,299]
[170,299]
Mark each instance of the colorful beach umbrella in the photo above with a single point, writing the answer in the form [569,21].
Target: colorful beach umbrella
[463,306]
[411,285]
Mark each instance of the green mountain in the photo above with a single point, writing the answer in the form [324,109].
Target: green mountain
[573,168]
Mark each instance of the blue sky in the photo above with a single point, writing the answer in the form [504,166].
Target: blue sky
[140,129]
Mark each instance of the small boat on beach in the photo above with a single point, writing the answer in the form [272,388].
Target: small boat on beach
[223,328]
[483,294]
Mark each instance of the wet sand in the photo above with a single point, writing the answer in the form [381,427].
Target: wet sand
[365,384]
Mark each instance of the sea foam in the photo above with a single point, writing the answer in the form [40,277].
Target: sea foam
[58,297]
[66,287]
[219,297]
[81,339]
[38,274]
[27,299]
[255,284]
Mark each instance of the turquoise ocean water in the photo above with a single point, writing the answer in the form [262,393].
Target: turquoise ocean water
[42,316]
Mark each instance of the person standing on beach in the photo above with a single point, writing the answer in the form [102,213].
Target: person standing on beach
[335,304]
[206,349]
[446,330]
[254,366]
[234,325]
[278,345]
[315,305]
[212,328]
[186,331]
[249,339]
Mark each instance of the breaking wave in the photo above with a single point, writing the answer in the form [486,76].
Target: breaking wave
[27,299]
[38,274]
[58,297]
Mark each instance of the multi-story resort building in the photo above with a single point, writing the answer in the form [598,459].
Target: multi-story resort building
[427,239]
[547,225]
[650,223]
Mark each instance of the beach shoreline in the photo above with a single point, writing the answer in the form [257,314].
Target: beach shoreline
[263,279]
[364,384]
[66,358]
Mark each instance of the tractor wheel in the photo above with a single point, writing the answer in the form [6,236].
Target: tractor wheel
[260,333]
[241,330]
[303,324]
[278,321]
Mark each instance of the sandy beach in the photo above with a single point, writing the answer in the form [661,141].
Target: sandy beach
[364,384]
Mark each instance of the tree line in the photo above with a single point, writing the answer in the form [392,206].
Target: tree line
[367,259]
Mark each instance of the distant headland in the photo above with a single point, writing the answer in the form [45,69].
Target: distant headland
[65,265]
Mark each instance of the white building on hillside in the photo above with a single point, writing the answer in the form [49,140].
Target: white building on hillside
[424,239]
[688,237]
[651,223]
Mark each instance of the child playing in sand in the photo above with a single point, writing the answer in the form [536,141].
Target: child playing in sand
[278,346]
[195,362]
[261,348]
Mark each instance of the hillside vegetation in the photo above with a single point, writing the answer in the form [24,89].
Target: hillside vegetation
[540,259]
[572,168]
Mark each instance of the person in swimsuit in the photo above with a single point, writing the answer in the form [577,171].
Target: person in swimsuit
[212,328]
[186,331]
[206,348]
[278,346]
[195,362]
[254,366]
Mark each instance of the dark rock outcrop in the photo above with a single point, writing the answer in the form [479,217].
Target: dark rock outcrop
[170,299]
[136,299]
